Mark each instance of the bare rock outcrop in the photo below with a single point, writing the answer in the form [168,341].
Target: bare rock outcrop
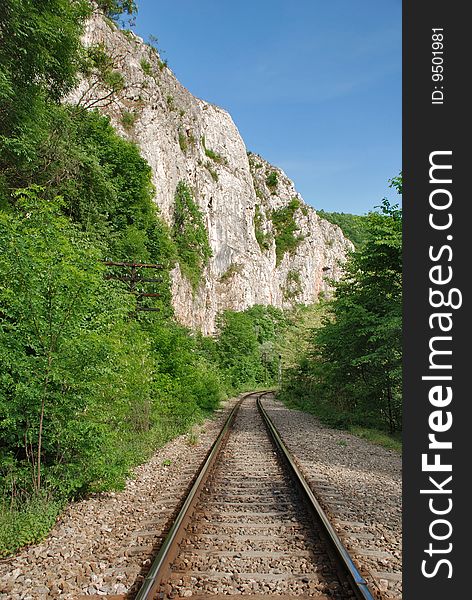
[241,196]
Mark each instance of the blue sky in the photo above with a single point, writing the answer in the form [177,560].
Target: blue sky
[314,86]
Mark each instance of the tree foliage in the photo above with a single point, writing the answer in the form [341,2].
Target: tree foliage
[354,227]
[57,316]
[286,229]
[248,345]
[190,235]
[352,374]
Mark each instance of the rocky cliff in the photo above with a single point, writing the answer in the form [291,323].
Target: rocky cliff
[268,246]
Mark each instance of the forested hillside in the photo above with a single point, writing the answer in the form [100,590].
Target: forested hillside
[354,227]
[89,385]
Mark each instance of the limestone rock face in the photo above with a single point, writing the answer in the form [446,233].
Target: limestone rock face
[186,139]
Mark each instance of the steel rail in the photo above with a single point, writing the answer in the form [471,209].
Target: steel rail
[169,548]
[359,584]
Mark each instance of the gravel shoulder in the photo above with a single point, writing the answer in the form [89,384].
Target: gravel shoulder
[359,486]
[103,544]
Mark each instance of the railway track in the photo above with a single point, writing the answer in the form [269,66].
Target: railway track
[251,525]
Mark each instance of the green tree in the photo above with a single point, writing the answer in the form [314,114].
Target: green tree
[354,227]
[40,54]
[57,313]
[247,345]
[353,372]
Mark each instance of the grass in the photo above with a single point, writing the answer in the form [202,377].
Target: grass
[212,154]
[213,173]
[146,67]
[170,102]
[381,438]
[26,523]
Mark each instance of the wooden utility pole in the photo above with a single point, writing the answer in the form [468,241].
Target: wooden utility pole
[132,274]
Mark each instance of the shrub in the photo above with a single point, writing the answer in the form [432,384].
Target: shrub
[128,119]
[293,285]
[213,173]
[272,180]
[263,238]
[232,270]
[286,227]
[190,235]
[146,67]
[183,142]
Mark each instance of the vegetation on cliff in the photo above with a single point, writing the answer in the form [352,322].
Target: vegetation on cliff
[190,235]
[286,229]
[264,238]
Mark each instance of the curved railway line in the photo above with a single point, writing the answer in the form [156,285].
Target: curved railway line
[251,525]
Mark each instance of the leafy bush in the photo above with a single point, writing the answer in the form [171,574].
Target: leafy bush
[272,180]
[26,522]
[286,227]
[190,235]
[263,238]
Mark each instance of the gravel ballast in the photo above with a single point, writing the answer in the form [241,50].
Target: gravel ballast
[359,486]
[250,491]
